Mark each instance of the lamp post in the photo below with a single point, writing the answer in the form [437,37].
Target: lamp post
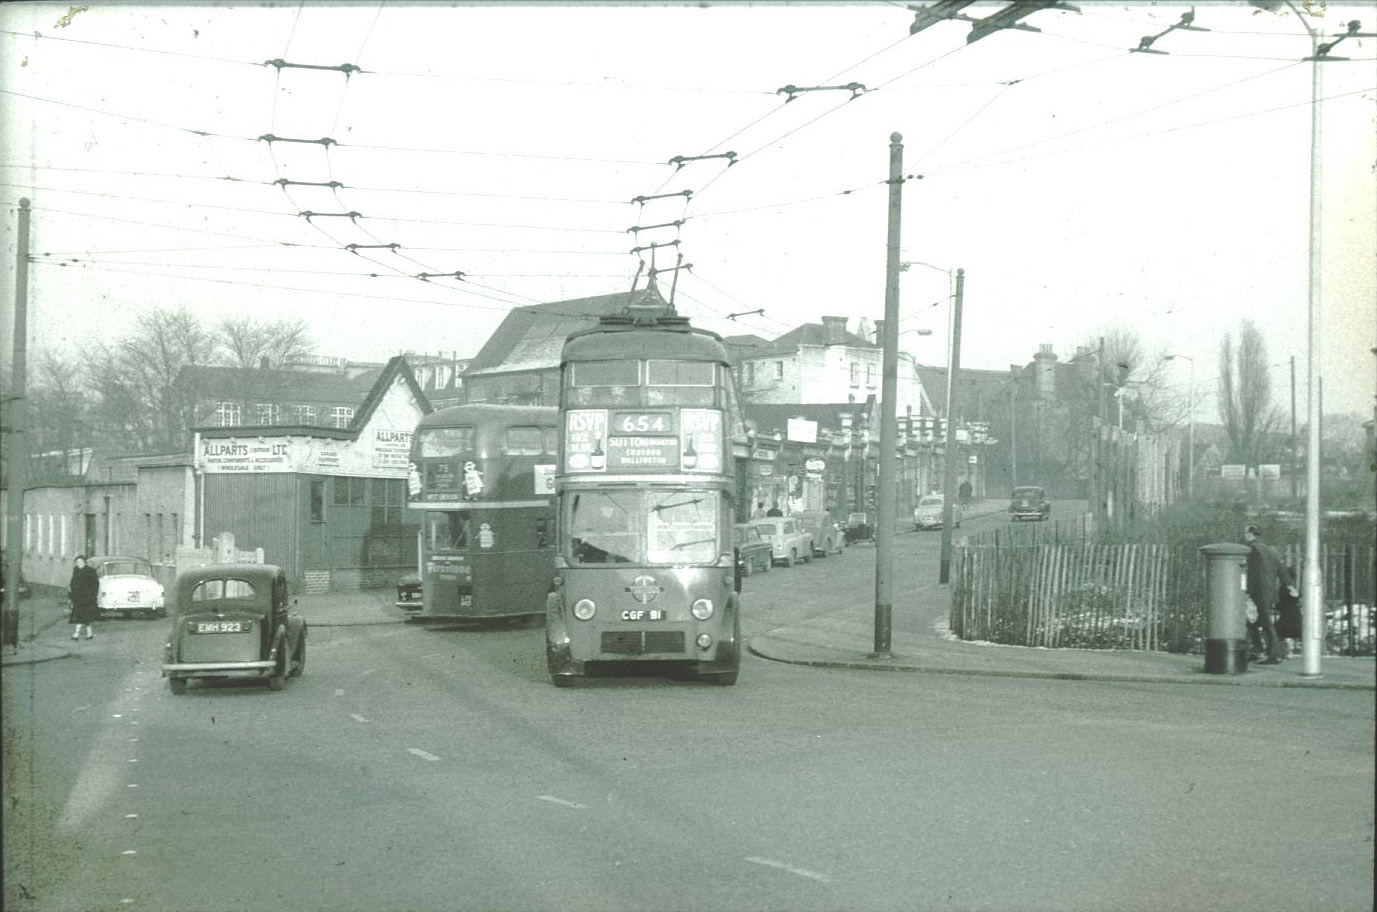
[1190,447]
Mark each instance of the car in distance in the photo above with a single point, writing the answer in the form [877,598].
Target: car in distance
[233,621]
[858,528]
[409,592]
[752,550]
[928,513]
[1030,502]
[827,535]
[127,587]
[789,543]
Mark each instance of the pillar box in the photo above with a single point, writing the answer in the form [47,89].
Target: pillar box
[1226,626]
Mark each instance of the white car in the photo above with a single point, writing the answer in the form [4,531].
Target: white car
[928,513]
[127,587]
[789,542]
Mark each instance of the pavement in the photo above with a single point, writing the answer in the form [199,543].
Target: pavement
[843,639]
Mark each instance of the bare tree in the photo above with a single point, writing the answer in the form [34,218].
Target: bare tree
[59,419]
[251,344]
[1245,394]
[135,380]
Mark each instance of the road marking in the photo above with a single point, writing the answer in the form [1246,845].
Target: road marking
[339,691]
[553,800]
[82,708]
[134,760]
[358,718]
[131,816]
[801,872]
[422,754]
[133,785]
[129,852]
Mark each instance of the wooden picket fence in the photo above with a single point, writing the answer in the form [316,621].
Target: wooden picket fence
[1145,596]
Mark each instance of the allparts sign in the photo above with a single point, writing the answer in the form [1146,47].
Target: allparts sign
[244,455]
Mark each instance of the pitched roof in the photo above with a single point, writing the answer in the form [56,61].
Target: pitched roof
[284,385]
[790,342]
[396,366]
[532,337]
[934,380]
[771,417]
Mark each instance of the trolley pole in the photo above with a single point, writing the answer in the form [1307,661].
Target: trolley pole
[17,430]
[952,451]
[885,491]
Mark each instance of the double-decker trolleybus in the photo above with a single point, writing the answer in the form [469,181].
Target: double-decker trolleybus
[645,569]
[482,477]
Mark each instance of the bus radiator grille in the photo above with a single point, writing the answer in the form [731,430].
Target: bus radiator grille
[640,642]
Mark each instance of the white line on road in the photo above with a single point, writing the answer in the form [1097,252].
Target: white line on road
[801,872]
[422,754]
[553,800]
[358,718]
[339,691]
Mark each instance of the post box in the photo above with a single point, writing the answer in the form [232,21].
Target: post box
[1226,625]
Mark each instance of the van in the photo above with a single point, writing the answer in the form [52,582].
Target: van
[827,535]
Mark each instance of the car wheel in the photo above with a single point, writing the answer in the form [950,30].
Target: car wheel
[767,565]
[299,658]
[562,681]
[177,685]
[789,561]
[747,568]
[279,676]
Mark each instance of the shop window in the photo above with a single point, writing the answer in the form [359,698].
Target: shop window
[387,498]
[317,500]
[350,492]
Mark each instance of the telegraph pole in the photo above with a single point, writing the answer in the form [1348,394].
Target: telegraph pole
[17,446]
[885,491]
[950,455]
[1294,494]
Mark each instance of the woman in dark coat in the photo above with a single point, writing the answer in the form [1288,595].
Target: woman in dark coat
[82,592]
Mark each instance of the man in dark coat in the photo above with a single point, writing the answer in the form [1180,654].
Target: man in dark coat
[82,591]
[1267,576]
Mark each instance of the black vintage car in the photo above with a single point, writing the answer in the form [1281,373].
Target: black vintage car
[233,621]
[753,552]
[858,528]
[409,592]
[1030,502]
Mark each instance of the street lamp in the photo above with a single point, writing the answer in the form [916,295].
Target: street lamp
[1190,454]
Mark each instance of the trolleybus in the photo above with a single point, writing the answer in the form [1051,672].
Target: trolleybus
[645,569]
[482,479]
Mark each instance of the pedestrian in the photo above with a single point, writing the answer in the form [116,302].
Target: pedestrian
[963,493]
[774,510]
[1289,616]
[1267,578]
[81,591]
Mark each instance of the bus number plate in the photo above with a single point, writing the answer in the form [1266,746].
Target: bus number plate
[643,614]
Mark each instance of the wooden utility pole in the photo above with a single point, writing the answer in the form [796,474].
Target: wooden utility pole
[17,429]
[885,489]
[952,450]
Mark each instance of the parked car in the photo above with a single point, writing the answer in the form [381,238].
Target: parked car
[928,513]
[753,552]
[409,592]
[789,543]
[827,535]
[127,587]
[858,528]
[1030,502]
[233,621]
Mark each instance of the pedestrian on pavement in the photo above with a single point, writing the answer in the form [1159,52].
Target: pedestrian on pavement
[82,593]
[774,511]
[1267,577]
[963,493]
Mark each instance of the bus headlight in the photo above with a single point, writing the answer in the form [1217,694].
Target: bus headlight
[584,609]
[702,609]
[704,641]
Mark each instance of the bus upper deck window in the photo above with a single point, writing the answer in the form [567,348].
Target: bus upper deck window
[523,441]
[456,441]
[680,383]
[603,383]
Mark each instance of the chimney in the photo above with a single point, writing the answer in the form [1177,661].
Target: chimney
[880,332]
[1045,370]
[833,330]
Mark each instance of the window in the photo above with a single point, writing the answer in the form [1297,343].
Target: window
[268,412]
[855,373]
[446,441]
[340,416]
[349,492]
[387,499]
[680,373]
[551,441]
[304,414]
[215,589]
[606,373]
[227,414]
[750,373]
[317,500]
[779,370]
[870,375]
[523,441]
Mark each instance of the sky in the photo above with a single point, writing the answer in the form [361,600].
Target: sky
[495,156]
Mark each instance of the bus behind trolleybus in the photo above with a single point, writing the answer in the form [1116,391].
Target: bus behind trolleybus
[482,478]
[645,570]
